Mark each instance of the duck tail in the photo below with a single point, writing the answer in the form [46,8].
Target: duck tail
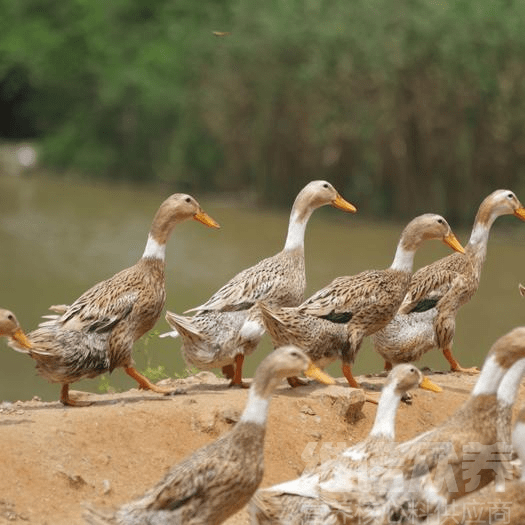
[183,325]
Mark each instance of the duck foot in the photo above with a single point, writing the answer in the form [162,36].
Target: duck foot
[295,381]
[472,370]
[146,384]
[67,401]
[455,366]
[240,384]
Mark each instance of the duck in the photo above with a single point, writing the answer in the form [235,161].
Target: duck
[492,504]
[333,322]
[95,334]
[298,498]
[217,480]
[228,326]
[420,477]
[522,290]
[427,316]
[10,328]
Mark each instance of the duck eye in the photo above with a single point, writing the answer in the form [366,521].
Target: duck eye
[441,221]
[188,199]
[325,185]
[10,317]
[510,196]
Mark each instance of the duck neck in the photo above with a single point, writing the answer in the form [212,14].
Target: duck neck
[476,247]
[384,424]
[403,259]
[263,386]
[256,410]
[154,249]
[489,378]
[509,385]
[296,229]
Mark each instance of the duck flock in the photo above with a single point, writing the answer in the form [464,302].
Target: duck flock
[463,471]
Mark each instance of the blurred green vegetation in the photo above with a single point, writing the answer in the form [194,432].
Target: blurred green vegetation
[407,106]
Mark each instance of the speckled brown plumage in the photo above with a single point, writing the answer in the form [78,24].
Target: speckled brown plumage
[215,337]
[96,333]
[427,316]
[333,322]
[422,476]
[297,501]
[219,479]
[492,504]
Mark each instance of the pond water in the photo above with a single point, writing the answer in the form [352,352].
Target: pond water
[60,236]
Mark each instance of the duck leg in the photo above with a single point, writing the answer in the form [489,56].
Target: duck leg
[455,366]
[237,377]
[228,371]
[67,401]
[145,383]
[347,372]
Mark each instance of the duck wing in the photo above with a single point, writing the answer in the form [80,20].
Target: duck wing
[268,278]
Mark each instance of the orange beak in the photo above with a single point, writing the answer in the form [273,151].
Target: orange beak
[342,204]
[203,217]
[21,338]
[316,373]
[520,213]
[452,241]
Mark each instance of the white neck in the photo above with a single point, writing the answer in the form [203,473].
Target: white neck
[508,388]
[154,250]
[479,238]
[296,230]
[403,260]
[256,410]
[490,377]
[385,421]
[518,440]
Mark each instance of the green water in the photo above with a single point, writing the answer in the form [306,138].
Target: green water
[60,237]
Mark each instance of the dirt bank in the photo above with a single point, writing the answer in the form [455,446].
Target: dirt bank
[53,458]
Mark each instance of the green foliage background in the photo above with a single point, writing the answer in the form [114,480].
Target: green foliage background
[407,106]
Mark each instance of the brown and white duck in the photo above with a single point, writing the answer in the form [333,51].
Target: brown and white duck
[427,317]
[333,322]
[422,476]
[293,501]
[10,327]
[95,334]
[228,326]
[218,479]
[493,504]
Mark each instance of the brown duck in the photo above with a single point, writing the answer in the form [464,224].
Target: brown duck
[96,333]
[334,321]
[218,479]
[427,316]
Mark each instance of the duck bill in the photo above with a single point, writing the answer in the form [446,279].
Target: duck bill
[203,217]
[520,213]
[426,384]
[316,373]
[342,204]
[451,240]
[21,338]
